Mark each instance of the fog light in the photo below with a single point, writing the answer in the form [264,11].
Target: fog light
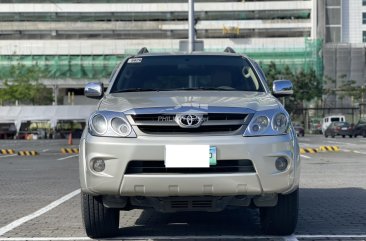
[281,164]
[98,165]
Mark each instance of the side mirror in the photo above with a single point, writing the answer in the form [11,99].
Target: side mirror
[282,88]
[94,90]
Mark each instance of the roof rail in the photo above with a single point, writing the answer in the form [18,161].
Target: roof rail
[143,51]
[229,50]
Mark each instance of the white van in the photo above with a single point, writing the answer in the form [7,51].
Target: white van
[333,118]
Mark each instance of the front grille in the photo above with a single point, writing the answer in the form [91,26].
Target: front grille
[158,167]
[177,129]
[151,117]
[222,123]
[208,117]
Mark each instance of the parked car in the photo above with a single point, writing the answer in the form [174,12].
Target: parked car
[339,129]
[7,130]
[34,129]
[329,119]
[360,128]
[299,129]
[189,132]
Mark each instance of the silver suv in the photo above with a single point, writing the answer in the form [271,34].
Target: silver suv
[189,132]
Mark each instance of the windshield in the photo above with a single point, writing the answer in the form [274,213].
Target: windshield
[334,119]
[164,73]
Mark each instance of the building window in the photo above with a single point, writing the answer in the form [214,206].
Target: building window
[364,18]
[364,2]
[364,36]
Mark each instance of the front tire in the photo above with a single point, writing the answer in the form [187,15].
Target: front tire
[99,221]
[282,218]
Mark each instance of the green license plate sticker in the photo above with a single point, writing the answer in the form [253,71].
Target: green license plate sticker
[213,160]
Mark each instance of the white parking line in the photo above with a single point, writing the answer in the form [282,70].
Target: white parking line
[307,157]
[44,239]
[224,237]
[63,158]
[290,238]
[38,213]
[343,143]
[8,156]
[359,152]
[331,236]
[45,150]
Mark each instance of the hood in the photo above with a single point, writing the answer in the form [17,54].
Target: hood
[256,101]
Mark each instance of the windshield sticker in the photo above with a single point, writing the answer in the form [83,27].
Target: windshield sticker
[134,60]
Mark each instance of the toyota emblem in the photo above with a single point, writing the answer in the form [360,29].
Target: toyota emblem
[189,120]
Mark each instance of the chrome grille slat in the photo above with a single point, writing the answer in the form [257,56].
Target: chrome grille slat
[214,123]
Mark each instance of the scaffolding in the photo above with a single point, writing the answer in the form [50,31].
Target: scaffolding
[100,66]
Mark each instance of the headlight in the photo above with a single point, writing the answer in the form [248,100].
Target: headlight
[268,123]
[99,124]
[280,123]
[121,126]
[260,124]
[110,124]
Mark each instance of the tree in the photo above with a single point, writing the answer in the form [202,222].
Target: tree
[345,88]
[24,87]
[307,85]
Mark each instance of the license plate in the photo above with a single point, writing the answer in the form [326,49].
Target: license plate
[344,128]
[189,156]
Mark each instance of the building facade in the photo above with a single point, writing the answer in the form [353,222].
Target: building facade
[342,25]
[77,41]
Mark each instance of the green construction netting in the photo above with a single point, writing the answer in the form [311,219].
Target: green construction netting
[63,66]
[100,67]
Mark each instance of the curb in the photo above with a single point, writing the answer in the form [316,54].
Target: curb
[329,148]
[320,149]
[70,150]
[7,151]
[27,153]
[308,150]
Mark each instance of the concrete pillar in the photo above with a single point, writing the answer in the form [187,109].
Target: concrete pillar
[55,94]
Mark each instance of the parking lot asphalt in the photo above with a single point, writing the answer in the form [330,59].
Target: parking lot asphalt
[39,199]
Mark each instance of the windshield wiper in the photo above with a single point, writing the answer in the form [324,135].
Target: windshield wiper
[136,90]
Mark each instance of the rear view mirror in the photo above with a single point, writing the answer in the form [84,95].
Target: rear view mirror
[282,88]
[94,90]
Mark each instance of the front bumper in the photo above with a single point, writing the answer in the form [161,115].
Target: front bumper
[117,152]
